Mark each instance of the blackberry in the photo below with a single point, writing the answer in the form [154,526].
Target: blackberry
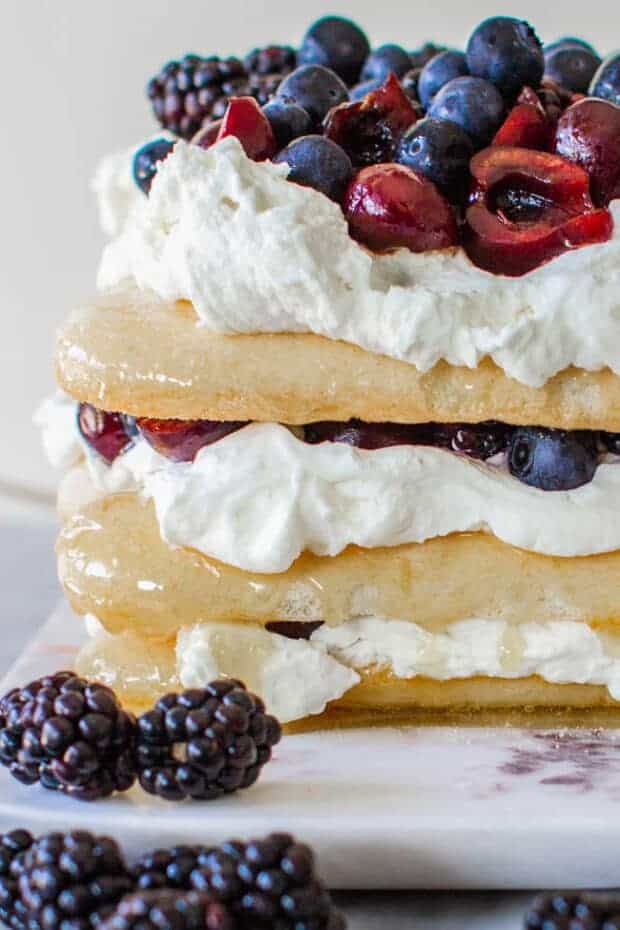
[69,734]
[420,56]
[273,59]
[167,868]
[12,846]
[70,881]
[205,742]
[574,911]
[168,910]
[187,93]
[268,883]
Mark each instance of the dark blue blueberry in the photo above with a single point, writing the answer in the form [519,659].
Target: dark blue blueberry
[508,53]
[552,459]
[319,163]
[388,58]
[441,151]
[288,120]
[567,42]
[438,71]
[146,160]
[420,56]
[360,90]
[606,81]
[474,104]
[336,43]
[316,89]
[572,66]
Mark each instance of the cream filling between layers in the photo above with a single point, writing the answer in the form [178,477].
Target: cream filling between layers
[291,266]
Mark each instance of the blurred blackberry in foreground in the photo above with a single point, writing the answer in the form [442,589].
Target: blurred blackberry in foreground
[12,845]
[167,868]
[169,910]
[273,59]
[574,911]
[205,742]
[69,734]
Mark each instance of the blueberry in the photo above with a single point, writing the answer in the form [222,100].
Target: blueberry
[360,90]
[441,151]
[474,104]
[288,120]
[388,58]
[315,88]
[606,81]
[319,163]
[572,66]
[420,56]
[438,71]
[567,42]
[146,160]
[552,459]
[508,53]
[338,44]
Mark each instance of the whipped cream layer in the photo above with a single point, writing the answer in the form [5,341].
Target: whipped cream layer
[297,678]
[256,253]
[259,497]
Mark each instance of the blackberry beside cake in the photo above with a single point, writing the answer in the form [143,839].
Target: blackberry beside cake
[345,421]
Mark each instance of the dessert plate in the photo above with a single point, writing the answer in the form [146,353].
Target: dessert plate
[397,808]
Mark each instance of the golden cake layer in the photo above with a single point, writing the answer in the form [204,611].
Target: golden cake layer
[151,359]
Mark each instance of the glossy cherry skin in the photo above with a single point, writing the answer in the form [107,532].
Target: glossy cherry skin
[588,134]
[181,440]
[391,206]
[108,434]
[526,127]
[245,120]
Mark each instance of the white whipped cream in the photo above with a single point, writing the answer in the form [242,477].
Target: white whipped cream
[56,417]
[298,678]
[291,266]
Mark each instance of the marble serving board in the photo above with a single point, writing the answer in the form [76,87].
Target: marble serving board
[392,808]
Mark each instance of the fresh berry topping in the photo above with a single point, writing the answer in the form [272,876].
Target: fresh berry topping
[409,83]
[552,96]
[438,71]
[508,53]
[268,883]
[606,81]
[207,136]
[69,734]
[359,91]
[390,207]
[338,44]
[552,459]
[167,868]
[316,89]
[474,104]
[169,910]
[106,433]
[385,60]
[294,629]
[370,129]
[527,207]
[186,93]
[319,163]
[204,743]
[441,151]
[572,66]
[611,442]
[245,120]
[588,134]
[288,121]
[146,161]
[182,440]
[526,127]
[273,59]
[70,881]
[368,435]
[567,42]
[573,911]
[13,912]
[420,56]
[477,440]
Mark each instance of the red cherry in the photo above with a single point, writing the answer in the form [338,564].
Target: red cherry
[181,440]
[391,206]
[525,126]
[245,120]
[528,207]
[370,129]
[104,432]
[588,134]
[207,136]
[368,435]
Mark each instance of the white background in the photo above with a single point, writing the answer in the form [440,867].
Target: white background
[73,74]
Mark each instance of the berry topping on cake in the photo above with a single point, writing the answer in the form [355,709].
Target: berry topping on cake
[391,206]
[574,910]
[508,53]
[588,134]
[272,59]
[611,442]
[169,910]
[336,43]
[288,121]
[13,911]
[474,104]
[420,56]
[317,162]
[204,743]
[108,434]
[526,127]
[438,71]
[146,161]
[572,66]
[316,89]
[606,81]
[477,440]
[182,440]
[388,59]
[370,129]
[552,459]
[69,734]
[368,435]
[441,151]
[527,207]
[245,120]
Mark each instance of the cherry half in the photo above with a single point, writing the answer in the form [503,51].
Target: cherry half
[245,120]
[181,440]
[588,134]
[108,434]
[526,126]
